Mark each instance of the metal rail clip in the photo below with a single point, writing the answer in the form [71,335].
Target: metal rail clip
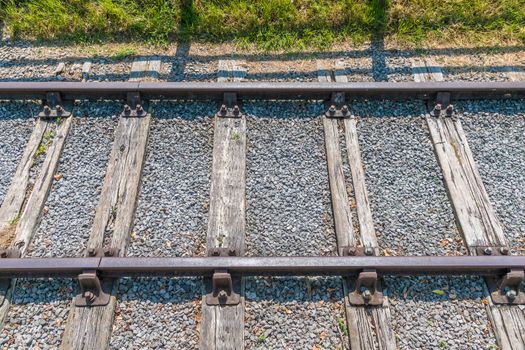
[506,289]
[95,291]
[222,284]
[133,106]
[58,111]
[366,289]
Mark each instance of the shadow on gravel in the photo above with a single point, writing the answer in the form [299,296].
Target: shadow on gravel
[181,62]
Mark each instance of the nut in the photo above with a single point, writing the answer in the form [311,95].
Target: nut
[3,254]
[332,109]
[47,110]
[222,294]
[127,109]
[504,250]
[236,109]
[344,109]
[231,252]
[223,109]
[92,251]
[487,251]
[90,296]
[369,251]
[367,294]
[511,294]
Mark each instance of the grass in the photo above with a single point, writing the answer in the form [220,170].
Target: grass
[267,24]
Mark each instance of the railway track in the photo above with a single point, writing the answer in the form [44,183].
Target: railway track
[130,239]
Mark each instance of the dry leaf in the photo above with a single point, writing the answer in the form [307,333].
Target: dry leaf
[443,243]
[57,177]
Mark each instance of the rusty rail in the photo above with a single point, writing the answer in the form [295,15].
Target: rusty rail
[206,266]
[260,90]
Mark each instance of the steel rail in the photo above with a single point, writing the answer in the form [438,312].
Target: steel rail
[260,90]
[274,266]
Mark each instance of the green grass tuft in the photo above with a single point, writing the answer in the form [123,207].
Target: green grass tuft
[269,24]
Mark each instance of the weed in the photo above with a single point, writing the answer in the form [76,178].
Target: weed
[220,239]
[48,137]
[40,150]
[123,53]
[442,344]
[236,136]
[14,221]
[262,338]
[342,326]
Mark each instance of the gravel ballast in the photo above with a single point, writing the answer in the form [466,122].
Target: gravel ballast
[440,313]
[16,125]
[171,220]
[38,314]
[289,213]
[172,212]
[157,313]
[288,196]
[414,217]
[494,130]
[70,208]
[408,199]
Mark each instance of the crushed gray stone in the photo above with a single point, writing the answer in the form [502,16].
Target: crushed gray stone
[288,196]
[439,313]
[172,210]
[495,132]
[298,313]
[409,203]
[38,314]
[157,313]
[16,125]
[70,208]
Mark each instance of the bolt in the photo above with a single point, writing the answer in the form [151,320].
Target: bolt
[231,252]
[127,109]
[369,251]
[504,250]
[236,110]
[90,296]
[487,251]
[437,110]
[351,251]
[222,294]
[108,252]
[215,253]
[59,108]
[92,251]
[366,294]
[511,294]
[223,109]
[3,254]
[450,110]
[47,110]
[344,109]
[139,109]
[332,109]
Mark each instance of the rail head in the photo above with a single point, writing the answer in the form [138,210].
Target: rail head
[261,90]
